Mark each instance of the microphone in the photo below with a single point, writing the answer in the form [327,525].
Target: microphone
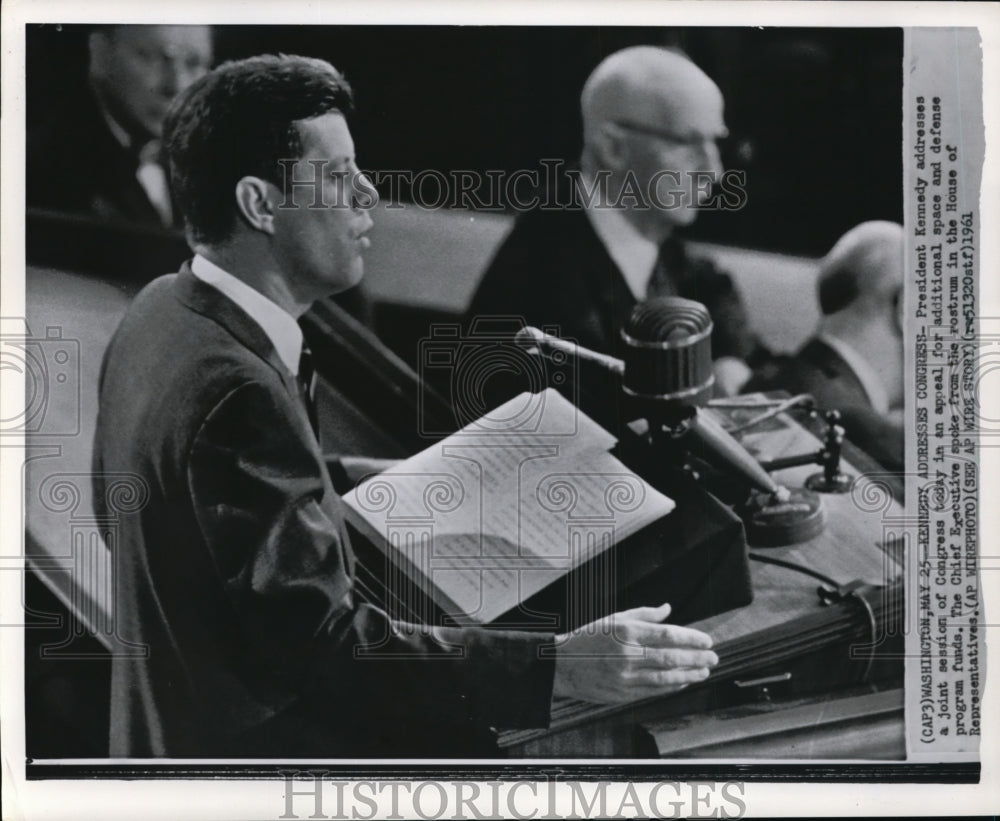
[537,341]
[668,368]
[667,373]
[668,354]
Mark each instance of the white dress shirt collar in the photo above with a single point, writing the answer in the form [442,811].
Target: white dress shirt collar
[872,385]
[634,255]
[120,134]
[280,326]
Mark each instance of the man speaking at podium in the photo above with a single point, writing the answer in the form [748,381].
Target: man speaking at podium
[237,572]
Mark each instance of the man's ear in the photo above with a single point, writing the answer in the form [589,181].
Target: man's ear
[611,146]
[98,50]
[256,202]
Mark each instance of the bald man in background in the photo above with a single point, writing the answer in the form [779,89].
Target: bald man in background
[854,362]
[100,155]
[608,237]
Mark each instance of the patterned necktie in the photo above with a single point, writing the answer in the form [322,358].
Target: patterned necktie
[307,386]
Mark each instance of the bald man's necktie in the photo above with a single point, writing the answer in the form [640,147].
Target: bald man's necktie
[307,386]
[661,282]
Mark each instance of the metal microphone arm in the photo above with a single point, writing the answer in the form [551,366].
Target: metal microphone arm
[667,377]
[548,346]
[701,427]
[716,439]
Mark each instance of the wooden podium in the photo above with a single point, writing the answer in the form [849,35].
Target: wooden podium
[788,649]
[786,634]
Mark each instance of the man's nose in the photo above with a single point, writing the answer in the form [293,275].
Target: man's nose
[713,159]
[171,77]
[366,222]
[365,195]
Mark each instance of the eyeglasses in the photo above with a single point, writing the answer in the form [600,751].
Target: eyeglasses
[691,140]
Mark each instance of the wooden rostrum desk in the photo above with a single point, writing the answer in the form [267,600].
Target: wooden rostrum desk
[786,633]
[800,675]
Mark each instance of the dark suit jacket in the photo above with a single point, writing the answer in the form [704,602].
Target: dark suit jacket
[237,572]
[819,370]
[75,164]
[553,270]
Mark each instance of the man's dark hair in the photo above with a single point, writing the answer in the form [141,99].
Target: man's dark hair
[239,120]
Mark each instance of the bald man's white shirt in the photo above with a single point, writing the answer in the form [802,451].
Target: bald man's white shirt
[634,255]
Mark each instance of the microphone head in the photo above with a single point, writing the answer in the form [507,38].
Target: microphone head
[668,352]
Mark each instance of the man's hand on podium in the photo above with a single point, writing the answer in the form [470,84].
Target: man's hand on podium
[630,655]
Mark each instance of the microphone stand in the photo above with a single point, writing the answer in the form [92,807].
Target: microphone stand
[832,479]
[679,431]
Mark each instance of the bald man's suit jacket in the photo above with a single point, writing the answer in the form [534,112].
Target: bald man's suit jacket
[235,572]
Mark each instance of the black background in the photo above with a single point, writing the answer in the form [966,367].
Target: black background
[815,114]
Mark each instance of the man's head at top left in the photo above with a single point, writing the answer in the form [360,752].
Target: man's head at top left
[137,71]
[264,171]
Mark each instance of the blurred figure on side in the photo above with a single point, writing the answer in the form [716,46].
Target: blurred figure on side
[101,157]
[854,362]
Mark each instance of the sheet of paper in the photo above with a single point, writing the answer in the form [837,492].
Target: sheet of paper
[492,516]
